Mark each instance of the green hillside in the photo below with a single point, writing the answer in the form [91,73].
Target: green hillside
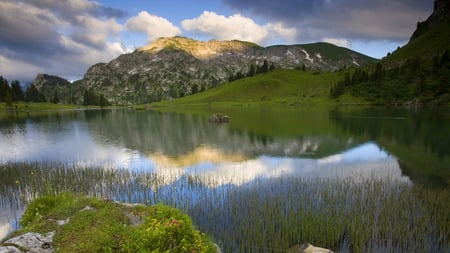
[281,86]
[432,41]
[415,74]
[334,52]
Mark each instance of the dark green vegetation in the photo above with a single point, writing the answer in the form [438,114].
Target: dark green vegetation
[13,92]
[351,215]
[95,225]
[416,81]
[417,73]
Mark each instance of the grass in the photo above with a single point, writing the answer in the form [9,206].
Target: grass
[425,46]
[106,226]
[22,106]
[264,215]
[44,106]
[280,87]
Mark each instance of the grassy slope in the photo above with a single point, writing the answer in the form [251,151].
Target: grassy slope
[435,40]
[334,52]
[279,87]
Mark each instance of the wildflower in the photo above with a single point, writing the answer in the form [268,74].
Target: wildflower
[32,173]
[17,181]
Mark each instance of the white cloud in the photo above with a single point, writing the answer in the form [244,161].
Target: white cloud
[55,37]
[236,27]
[95,32]
[338,42]
[152,25]
[279,30]
[16,69]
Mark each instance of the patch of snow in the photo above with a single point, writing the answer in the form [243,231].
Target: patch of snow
[319,56]
[307,56]
[289,53]
[354,62]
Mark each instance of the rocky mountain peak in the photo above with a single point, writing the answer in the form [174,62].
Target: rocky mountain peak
[441,14]
[198,49]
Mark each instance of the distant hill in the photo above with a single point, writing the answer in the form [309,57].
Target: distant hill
[178,66]
[415,74]
[50,85]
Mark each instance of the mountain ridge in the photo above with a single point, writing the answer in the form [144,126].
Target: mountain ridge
[178,66]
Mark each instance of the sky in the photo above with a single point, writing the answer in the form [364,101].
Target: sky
[66,37]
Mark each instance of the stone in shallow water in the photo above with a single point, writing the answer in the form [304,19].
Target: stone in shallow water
[308,248]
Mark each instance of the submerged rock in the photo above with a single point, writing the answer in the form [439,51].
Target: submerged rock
[308,248]
[219,118]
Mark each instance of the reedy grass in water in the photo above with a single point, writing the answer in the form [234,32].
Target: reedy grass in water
[264,215]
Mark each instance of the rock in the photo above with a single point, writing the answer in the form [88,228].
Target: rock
[9,249]
[86,208]
[30,243]
[63,222]
[218,250]
[219,118]
[308,248]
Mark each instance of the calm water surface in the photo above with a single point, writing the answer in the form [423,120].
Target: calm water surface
[409,146]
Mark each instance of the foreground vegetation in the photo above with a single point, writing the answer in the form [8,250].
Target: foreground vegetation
[264,215]
[95,225]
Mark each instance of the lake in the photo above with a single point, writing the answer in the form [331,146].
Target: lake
[295,158]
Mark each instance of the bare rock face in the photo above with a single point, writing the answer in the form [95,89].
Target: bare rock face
[30,243]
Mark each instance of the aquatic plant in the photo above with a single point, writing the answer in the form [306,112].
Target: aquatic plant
[266,214]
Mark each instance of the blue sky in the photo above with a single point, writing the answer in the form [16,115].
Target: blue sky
[65,38]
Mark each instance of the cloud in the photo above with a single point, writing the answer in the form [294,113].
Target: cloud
[236,27]
[337,42]
[93,31]
[152,25]
[56,37]
[350,19]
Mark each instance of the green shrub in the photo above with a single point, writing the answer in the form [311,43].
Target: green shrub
[166,229]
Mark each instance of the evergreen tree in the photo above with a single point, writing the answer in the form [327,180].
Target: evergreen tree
[8,99]
[33,95]
[251,71]
[4,89]
[55,98]
[16,91]
[265,67]
[103,101]
[272,66]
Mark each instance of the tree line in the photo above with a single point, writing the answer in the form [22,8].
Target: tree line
[252,71]
[13,92]
[424,81]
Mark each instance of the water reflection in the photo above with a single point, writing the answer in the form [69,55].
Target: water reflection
[327,145]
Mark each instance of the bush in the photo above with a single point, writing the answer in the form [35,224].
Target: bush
[166,229]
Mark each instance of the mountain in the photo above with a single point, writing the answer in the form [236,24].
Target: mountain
[178,66]
[50,85]
[416,74]
[431,36]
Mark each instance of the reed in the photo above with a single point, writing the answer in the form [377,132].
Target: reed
[264,215]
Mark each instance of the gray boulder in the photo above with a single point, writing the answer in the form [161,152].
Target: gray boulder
[30,243]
